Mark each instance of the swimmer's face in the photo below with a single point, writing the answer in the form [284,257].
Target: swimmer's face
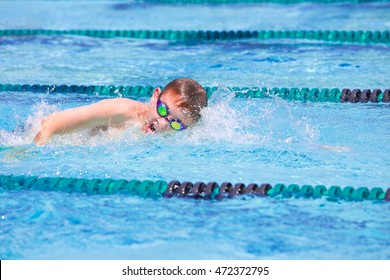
[176,119]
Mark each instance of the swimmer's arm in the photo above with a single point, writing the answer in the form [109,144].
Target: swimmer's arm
[105,112]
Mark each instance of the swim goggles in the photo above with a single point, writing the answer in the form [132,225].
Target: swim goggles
[163,111]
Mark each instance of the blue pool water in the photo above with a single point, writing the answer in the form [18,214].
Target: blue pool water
[239,140]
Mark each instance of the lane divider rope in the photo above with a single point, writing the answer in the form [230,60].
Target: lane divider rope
[361,37]
[303,94]
[199,190]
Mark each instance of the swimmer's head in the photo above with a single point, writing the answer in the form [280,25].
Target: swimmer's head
[177,106]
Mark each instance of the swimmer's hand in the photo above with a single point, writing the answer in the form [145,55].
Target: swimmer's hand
[44,135]
[41,138]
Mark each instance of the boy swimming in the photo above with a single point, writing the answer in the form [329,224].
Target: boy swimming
[175,107]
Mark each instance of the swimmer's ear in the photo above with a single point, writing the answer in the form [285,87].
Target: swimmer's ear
[156,92]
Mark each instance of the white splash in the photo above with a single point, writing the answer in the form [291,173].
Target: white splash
[251,121]
[24,133]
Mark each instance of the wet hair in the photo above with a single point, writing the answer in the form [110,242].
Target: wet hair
[191,97]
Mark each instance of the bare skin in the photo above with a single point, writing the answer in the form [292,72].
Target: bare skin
[110,113]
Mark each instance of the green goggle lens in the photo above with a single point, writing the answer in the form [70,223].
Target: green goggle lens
[162,111]
[176,126]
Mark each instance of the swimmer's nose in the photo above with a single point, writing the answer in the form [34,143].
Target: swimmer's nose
[162,123]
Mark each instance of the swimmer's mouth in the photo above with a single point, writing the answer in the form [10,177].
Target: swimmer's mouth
[150,127]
